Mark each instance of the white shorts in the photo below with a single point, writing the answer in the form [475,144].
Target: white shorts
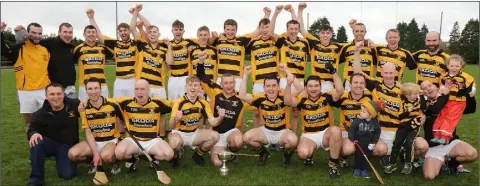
[123,87]
[176,87]
[187,137]
[283,83]
[317,137]
[82,93]
[258,88]
[30,100]
[158,92]
[147,145]
[273,136]
[439,152]
[223,141]
[102,144]
[327,86]
[388,137]
[69,91]
[238,82]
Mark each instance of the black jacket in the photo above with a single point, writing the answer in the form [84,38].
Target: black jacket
[61,127]
[61,67]
[364,131]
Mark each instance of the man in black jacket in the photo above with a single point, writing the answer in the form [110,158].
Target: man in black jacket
[457,151]
[53,131]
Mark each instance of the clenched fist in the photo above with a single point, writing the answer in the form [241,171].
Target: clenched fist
[178,115]
[138,7]
[288,8]
[90,13]
[267,10]
[302,5]
[221,111]
[248,69]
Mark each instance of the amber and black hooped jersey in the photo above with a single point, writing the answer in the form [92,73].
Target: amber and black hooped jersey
[430,67]
[400,57]
[234,107]
[294,54]
[192,113]
[150,63]
[209,64]
[320,55]
[412,109]
[316,115]
[125,55]
[350,108]
[462,85]
[368,59]
[264,59]
[389,117]
[274,115]
[231,54]
[91,62]
[143,121]
[181,61]
[102,121]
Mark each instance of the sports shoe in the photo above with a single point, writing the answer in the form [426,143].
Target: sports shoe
[91,169]
[286,159]
[407,168]
[175,161]
[343,162]
[115,169]
[234,159]
[198,159]
[365,174]
[388,169]
[308,162]
[131,164]
[461,169]
[264,155]
[333,172]
[356,173]
[434,140]
[154,161]
[442,141]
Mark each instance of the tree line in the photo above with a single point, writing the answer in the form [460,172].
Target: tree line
[464,43]
[412,37]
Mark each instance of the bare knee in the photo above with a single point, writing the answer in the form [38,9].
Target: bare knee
[429,174]
[214,137]
[168,154]
[348,149]
[107,157]
[73,155]
[335,132]
[247,138]
[471,154]
[303,153]
[120,153]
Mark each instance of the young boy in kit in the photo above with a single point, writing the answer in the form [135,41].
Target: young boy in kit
[365,130]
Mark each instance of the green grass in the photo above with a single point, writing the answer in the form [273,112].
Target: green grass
[15,170]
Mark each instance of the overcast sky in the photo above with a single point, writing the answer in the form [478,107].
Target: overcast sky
[378,16]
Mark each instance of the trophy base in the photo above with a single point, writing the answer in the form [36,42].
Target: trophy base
[224,172]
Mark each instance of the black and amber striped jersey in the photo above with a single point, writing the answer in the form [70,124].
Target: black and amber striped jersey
[91,62]
[102,121]
[389,117]
[430,67]
[151,65]
[143,121]
[274,115]
[350,108]
[317,115]
[264,59]
[400,57]
[320,55]
[209,64]
[181,61]
[461,85]
[368,59]
[294,54]
[192,112]
[231,54]
[412,110]
[234,107]
[125,55]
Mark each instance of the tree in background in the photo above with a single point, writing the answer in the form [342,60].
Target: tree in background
[317,24]
[75,40]
[469,42]
[342,35]
[424,32]
[414,38]
[454,42]
[402,28]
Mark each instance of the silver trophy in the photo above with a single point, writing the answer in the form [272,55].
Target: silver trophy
[224,156]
